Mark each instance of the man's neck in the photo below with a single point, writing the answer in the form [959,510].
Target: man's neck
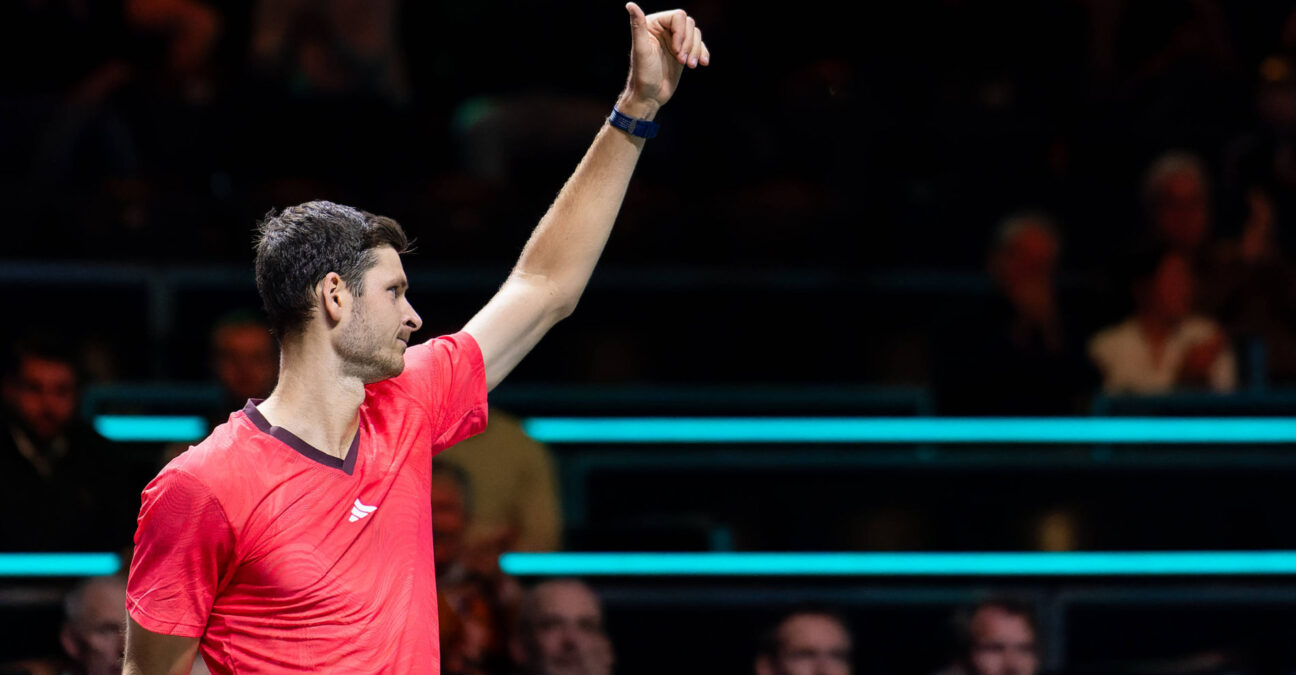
[315,400]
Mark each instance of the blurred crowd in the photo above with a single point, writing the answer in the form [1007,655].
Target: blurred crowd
[1128,166]
[558,627]
[1121,175]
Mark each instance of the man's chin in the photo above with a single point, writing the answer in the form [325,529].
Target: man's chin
[385,371]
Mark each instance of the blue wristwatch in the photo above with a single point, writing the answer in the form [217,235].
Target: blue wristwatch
[631,125]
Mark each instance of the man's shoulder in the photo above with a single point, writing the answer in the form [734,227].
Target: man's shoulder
[229,455]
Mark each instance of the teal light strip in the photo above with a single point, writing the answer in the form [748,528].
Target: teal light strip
[58,564]
[1139,563]
[910,430]
[151,427]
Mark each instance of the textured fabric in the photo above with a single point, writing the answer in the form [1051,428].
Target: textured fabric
[285,559]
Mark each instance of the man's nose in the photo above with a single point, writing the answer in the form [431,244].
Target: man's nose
[412,319]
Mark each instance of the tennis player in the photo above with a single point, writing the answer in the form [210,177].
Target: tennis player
[298,536]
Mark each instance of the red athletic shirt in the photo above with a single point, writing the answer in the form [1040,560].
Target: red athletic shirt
[284,559]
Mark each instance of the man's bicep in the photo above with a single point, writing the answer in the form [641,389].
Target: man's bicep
[149,653]
[512,323]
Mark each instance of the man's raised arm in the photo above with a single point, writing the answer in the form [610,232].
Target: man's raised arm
[558,260]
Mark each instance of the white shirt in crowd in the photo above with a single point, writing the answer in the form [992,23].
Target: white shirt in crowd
[1124,357]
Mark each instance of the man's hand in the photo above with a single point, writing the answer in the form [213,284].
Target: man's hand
[662,44]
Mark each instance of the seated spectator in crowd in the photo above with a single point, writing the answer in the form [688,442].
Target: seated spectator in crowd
[995,637]
[1015,354]
[1176,194]
[514,487]
[1164,346]
[54,469]
[1245,281]
[92,635]
[807,642]
[1252,289]
[470,582]
[245,359]
[245,363]
[560,631]
[94,626]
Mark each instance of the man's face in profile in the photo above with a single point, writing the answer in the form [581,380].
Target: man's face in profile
[96,639]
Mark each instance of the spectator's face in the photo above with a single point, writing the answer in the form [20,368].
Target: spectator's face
[448,519]
[1181,214]
[1025,268]
[1030,257]
[246,361]
[374,336]
[97,639]
[44,396]
[565,636]
[810,644]
[1002,644]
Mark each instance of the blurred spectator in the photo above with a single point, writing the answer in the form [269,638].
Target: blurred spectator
[245,359]
[1176,194]
[94,626]
[1255,292]
[807,642]
[514,493]
[1164,346]
[332,47]
[560,631]
[92,634]
[1015,354]
[995,637]
[469,579]
[1252,290]
[54,469]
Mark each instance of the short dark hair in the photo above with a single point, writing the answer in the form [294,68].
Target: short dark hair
[300,245]
[1014,606]
[43,345]
[770,645]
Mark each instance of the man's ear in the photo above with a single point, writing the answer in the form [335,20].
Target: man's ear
[333,296]
[69,642]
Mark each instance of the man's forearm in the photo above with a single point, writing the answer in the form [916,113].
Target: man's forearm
[569,239]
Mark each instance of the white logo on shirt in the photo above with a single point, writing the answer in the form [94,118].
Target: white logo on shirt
[360,510]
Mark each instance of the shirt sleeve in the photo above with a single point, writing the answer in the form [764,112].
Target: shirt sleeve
[183,548]
[448,375]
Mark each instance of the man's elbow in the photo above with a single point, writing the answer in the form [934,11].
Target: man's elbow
[558,299]
[564,305]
